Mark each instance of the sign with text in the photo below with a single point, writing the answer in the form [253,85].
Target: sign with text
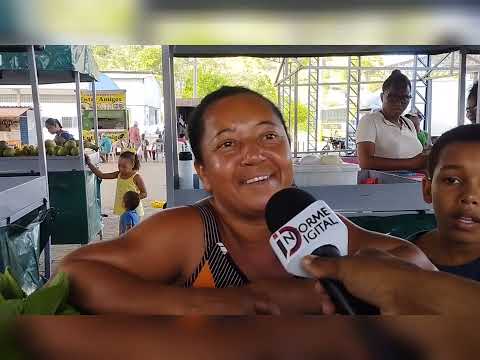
[106,100]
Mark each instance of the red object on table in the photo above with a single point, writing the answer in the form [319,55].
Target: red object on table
[350,159]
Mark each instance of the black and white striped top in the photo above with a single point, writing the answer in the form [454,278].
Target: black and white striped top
[216,269]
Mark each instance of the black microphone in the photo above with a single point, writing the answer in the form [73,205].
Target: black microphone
[302,225]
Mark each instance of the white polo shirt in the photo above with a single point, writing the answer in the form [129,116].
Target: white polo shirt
[391,141]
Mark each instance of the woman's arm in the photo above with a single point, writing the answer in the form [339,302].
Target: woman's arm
[97,172]
[361,239]
[141,186]
[100,288]
[368,160]
[143,272]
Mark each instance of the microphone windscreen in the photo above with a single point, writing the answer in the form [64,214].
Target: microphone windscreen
[285,205]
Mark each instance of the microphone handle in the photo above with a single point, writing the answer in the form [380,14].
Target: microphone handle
[336,295]
[345,303]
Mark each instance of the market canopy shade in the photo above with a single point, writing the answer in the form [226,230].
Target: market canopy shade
[55,64]
[314,50]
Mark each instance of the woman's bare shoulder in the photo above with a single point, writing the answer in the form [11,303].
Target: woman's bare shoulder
[182,231]
[175,219]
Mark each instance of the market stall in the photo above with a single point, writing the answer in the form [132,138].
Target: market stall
[23,193]
[74,189]
[111,110]
[396,198]
[356,198]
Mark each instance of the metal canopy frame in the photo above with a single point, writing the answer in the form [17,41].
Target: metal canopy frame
[288,75]
[291,69]
[310,50]
[62,76]
[42,179]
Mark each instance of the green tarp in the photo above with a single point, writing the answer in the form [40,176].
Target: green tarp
[75,195]
[55,64]
[403,226]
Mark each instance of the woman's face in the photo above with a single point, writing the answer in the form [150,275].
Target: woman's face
[395,100]
[53,129]
[246,153]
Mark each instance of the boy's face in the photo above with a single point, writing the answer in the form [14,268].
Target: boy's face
[455,192]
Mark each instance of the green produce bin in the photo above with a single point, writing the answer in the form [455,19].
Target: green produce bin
[75,195]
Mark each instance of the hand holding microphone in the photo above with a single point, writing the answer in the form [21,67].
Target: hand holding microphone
[302,226]
[395,286]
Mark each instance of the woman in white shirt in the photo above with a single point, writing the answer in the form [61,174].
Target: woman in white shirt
[386,140]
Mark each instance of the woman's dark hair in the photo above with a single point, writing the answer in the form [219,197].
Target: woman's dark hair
[473,92]
[131,200]
[396,78]
[196,120]
[53,122]
[129,155]
[461,134]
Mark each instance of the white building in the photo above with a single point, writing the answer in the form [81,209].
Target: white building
[144,100]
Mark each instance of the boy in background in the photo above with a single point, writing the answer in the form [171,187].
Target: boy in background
[452,185]
[129,218]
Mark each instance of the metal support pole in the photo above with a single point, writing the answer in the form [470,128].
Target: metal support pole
[195,78]
[295,99]
[288,68]
[80,126]
[36,111]
[95,117]
[414,86]
[42,159]
[347,128]
[353,100]
[309,105]
[170,124]
[279,98]
[461,88]
[317,110]
[79,119]
[359,88]
[428,102]
[477,117]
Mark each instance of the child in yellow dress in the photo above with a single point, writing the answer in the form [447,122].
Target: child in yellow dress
[128,179]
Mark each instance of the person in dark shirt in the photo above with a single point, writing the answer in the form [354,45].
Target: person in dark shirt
[55,128]
[472,98]
[452,185]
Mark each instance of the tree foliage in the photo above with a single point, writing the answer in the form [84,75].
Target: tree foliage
[212,73]
[129,58]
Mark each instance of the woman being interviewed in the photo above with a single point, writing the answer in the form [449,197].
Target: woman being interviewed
[171,262]
[386,140]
